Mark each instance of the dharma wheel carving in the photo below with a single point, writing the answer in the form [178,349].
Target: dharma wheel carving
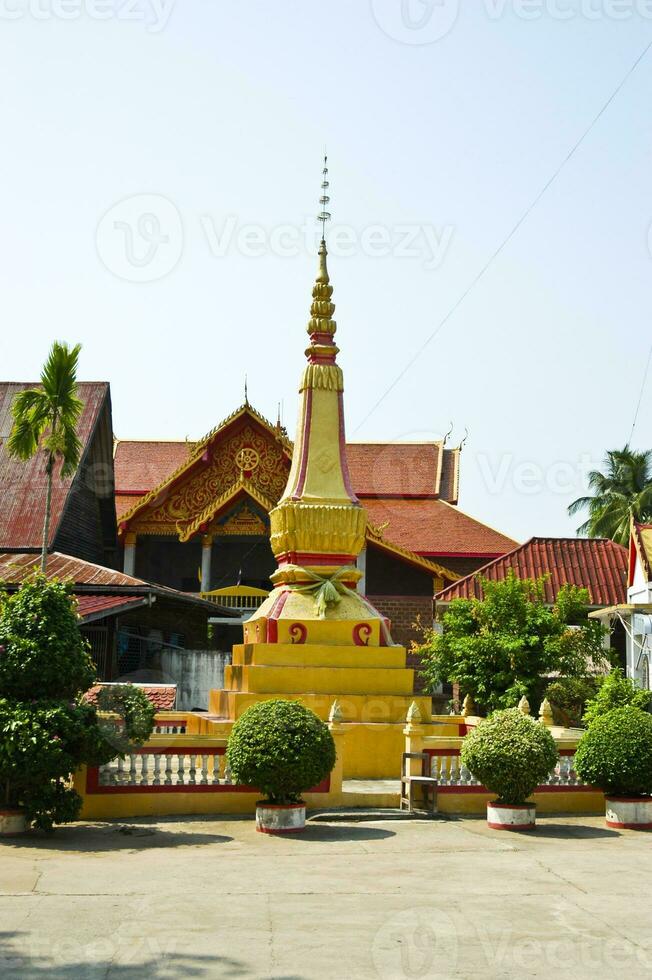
[247,459]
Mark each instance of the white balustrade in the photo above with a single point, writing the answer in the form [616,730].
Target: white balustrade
[201,767]
[449,770]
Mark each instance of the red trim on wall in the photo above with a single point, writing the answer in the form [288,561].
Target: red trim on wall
[304,558]
[453,752]
[539,789]
[272,622]
[631,561]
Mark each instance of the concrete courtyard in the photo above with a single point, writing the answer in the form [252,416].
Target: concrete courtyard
[412,899]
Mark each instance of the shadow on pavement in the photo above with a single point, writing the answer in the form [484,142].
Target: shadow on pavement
[19,960]
[91,838]
[561,831]
[340,832]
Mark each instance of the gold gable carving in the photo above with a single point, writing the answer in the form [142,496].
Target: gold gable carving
[211,476]
[244,522]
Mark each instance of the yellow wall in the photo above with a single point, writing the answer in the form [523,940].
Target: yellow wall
[557,801]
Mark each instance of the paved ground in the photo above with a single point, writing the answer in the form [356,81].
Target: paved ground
[211,898]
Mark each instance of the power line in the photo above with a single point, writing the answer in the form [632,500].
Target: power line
[509,237]
[640,397]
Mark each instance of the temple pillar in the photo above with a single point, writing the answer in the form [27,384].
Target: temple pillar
[129,563]
[206,558]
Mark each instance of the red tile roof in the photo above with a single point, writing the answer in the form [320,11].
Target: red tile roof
[596,564]
[436,529]
[162,696]
[140,466]
[91,607]
[411,487]
[394,469]
[22,484]
[377,469]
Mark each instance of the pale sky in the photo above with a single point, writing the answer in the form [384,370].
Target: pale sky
[162,163]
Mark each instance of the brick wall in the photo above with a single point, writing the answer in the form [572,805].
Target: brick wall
[404,611]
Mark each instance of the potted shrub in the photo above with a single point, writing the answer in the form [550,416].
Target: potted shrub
[615,754]
[510,754]
[282,749]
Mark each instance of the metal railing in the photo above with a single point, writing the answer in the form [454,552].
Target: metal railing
[243,597]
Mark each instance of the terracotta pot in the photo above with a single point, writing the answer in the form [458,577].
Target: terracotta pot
[629,812]
[511,816]
[12,822]
[280,818]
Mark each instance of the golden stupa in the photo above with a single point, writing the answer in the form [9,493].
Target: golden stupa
[316,638]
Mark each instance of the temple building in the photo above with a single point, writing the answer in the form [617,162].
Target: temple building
[195,516]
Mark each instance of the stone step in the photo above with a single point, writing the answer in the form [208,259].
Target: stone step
[365,815]
[369,681]
[376,709]
[317,655]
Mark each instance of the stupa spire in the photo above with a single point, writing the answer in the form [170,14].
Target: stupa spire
[319,517]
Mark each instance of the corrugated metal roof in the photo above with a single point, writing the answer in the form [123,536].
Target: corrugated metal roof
[596,564]
[15,567]
[23,484]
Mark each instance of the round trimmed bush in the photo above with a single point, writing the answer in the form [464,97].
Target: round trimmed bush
[615,754]
[281,748]
[510,754]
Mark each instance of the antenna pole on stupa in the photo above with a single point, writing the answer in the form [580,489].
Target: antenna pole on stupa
[324,201]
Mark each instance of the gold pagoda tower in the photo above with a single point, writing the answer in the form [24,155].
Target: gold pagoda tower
[316,638]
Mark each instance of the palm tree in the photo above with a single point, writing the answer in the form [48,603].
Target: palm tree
[46,418]
[621,493]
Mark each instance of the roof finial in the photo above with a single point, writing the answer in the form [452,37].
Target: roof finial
[246,392]
[324,215]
